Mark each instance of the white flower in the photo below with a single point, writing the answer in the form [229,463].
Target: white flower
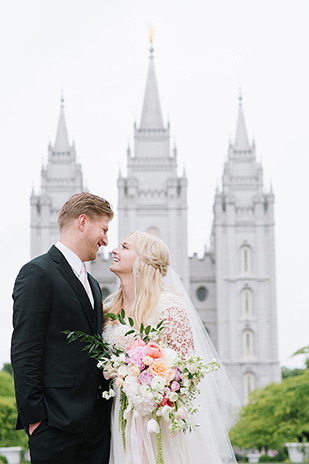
[158,383]
[173,396]
[107,395]
[122,371]
[153,426]
[192,368]
[165,411]
[146,392]
[131,386]
[158,397]
[185,382]
[169,356]
[143,405]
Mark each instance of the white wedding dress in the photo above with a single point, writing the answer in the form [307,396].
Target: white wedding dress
[201,446]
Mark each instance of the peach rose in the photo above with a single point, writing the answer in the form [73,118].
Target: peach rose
[169,375]
[158,367]
[147,360]
[134,370]
[154,350]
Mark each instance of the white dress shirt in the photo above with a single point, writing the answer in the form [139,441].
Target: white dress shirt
[76,264]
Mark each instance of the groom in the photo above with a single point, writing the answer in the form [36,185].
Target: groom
[58,387]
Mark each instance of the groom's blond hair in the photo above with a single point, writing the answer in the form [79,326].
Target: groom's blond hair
[84,203]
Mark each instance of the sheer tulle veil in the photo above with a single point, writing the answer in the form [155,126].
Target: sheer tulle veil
[219,405]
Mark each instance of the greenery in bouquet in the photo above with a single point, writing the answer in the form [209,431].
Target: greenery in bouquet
[152,378]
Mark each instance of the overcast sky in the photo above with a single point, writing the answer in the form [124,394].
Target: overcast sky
[97,50]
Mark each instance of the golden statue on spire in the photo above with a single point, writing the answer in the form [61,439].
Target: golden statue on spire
[151,32]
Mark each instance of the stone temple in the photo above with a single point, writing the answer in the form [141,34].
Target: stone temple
[233,286]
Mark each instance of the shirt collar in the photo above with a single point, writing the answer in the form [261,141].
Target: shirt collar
[72,258]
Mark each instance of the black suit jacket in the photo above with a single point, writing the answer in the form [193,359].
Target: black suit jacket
[54,379]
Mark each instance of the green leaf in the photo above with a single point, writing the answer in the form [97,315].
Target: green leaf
[129,332]
[121,320]
[141,328]
[111,316]
[131,322]
[147,330]
[160,323]
[122,313]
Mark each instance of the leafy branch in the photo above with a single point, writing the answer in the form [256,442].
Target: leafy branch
[96,346]
[144,333]
[99,349]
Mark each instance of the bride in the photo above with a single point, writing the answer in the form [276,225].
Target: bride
[141,263]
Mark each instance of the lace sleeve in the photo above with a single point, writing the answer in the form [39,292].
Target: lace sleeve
[177,330]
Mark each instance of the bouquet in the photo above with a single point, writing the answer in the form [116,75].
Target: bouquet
[153,378]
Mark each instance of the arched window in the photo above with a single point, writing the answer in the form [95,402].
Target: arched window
[249,385]
[202,293]
[245,259]
[247,343]
[153,231]
[246,303]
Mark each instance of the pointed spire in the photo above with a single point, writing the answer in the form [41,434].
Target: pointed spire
[151,113]
[241,138]
[62,140]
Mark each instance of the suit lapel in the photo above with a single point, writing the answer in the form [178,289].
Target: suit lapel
[98,307]
[75,283]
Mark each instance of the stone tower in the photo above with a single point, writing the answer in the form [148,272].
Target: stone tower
[244,254]
[153,198]
[60,178]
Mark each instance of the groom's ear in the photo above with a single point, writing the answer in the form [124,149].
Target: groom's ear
[81,222]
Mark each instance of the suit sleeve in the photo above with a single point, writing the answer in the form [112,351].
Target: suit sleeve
[32,294]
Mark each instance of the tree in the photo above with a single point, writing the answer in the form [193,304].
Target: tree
[7,367]
[6,385]
[275,415]
[8,415]
[286,372]
[304,350]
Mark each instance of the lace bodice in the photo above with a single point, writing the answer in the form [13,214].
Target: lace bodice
[177,333]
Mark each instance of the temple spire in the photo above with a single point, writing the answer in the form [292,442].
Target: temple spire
[151,113]
[241,138]
[62,140]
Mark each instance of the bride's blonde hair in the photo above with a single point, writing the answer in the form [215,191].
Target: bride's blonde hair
[150,266]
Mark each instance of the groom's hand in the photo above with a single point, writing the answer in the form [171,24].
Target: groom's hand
[34,426]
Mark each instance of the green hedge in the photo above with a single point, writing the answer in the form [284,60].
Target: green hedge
[6,385]
[9,436]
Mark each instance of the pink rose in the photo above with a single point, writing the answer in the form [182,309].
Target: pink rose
[145,377]
[177,375]
[136,344]
[136,356]
[154,350]
[175,386]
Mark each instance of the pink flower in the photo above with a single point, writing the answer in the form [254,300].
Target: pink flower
[177,375]
[145,377]
[137,343]
[175,386]
[154,350]
[136,356]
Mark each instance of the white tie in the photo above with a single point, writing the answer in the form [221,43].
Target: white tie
[84,280]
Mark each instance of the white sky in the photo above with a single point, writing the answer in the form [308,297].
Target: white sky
[204,50]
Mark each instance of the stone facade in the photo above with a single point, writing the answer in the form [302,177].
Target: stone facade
[233,285]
